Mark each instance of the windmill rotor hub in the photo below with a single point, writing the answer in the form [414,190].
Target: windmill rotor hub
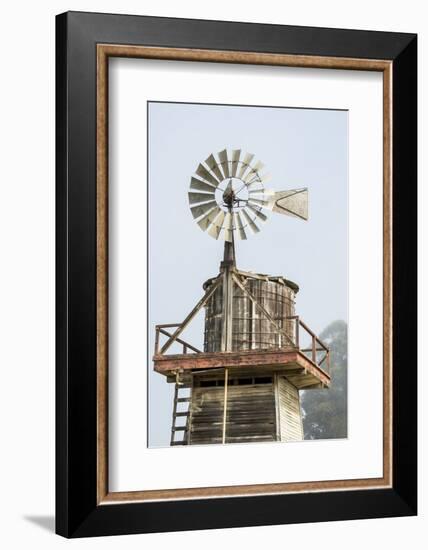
[232,193]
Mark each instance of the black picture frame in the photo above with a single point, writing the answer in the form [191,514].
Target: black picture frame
[77,511]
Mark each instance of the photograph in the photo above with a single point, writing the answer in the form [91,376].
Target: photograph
[247,273]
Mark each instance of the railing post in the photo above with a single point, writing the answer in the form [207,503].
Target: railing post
[157,341]
[314,350]
[298,332]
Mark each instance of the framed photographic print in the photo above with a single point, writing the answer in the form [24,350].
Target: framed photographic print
[236,274]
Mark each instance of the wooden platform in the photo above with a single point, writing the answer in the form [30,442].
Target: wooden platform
[292,363]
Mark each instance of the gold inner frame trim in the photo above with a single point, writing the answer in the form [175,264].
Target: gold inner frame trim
[104,51]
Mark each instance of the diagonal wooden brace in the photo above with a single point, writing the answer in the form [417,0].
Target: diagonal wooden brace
[210,291]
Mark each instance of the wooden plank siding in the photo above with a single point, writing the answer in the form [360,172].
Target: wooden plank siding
[250,414]
[290,417]
[250,328]
[257,409]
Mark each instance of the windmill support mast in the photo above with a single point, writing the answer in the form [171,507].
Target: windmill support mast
[227,267]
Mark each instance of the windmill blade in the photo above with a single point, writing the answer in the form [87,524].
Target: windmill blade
[245,164]
[258,202]
[228,227]
[293,202]
[203,173]
[253,174]
[255,185]
[227,221]
[227,235]
[214,231]
[208,218]
[257,212]
[236,153]
[239,226]
[201,186]
[250,222]
[219,219]
[212,164]
[258,166]
[250,176]
[264,196]
[224,163]
[261,193]
[215,228]
[194,198]
[201,209]
[259,178]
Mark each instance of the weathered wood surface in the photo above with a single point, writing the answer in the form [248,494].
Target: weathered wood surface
[290,416]
[208,293]
[251,329]
[256,410]
[250,414]
[305,373]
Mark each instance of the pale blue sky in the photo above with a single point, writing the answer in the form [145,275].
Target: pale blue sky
[300,148]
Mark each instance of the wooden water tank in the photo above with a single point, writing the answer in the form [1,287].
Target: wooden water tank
[251,330]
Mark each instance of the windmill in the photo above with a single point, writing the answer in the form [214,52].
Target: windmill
[258,354]
[228,199]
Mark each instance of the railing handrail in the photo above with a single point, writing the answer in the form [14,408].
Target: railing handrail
[315,340]
[160,329]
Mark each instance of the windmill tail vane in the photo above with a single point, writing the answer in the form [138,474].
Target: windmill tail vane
[228,197]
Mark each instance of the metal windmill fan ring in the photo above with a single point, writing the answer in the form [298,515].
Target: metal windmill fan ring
[227,196]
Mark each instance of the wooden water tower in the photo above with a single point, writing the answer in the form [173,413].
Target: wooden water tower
[258,354]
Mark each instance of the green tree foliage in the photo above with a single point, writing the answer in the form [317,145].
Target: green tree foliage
[325,411]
